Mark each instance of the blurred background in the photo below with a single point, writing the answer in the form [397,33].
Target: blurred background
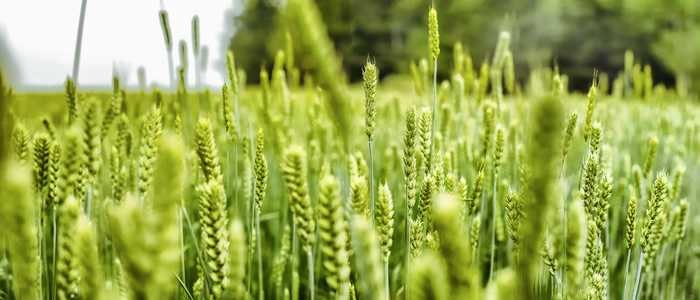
[576,36]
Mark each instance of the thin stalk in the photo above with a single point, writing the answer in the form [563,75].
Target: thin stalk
[639,276]
[250,259]
[181,238]
[386,278]
[675,268]
[55,251]
[434,113]
[197,76]
[295,257]
[371,179]
[564,210]
[408,246]
[196,247]
[79,42]
[493,224]
[43,252]
[171,69]
[183,286]
[259,243]
[658,274]
[627,269]
[310,261]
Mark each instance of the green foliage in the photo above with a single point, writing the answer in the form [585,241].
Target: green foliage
[20,223]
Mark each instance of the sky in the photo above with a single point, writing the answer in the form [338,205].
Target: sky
[123,33]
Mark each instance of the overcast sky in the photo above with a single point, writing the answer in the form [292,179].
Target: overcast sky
[41,36]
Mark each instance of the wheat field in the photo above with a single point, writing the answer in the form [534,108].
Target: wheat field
[474,186]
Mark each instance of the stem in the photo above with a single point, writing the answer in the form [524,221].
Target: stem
[55,251]
[639,276]
[675,268]
[310,260]
[259,243]
[371,179]
[249,261]
[493,224]
[627,269]
[295,256]
[386,278]
[408,246]
[565,217]
[250,213]
[197,78]
[171,68]
[434,113]
[658,273]
[43,255]
[181,237]
[79,42]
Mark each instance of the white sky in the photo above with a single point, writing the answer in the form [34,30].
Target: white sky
[41,36]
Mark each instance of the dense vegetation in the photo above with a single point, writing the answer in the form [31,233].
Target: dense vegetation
[480,186]
[577,35]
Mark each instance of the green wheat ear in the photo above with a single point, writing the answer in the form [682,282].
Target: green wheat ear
[359,198]
[18,218]
[568,135]
[542,153]
[680,220]
[455,249]
[207,151]
[428,278]
[53,179]
[332,236]
[655,221]
[71,100]
[385,220]
[514,216]
[21,140]
[195,35]
[575,248]
[167,194]
[433,33]
[590,109]
[237,262]
[91,138]
[151,132]
[114,110]
[504,286]
[67,273]
[650,156]
[409,157]
[294,173]
[227,110]
[214,239]
[369,75]
[165,26]
[91,279]
[631,219]
[41,147]
[367,259]
[424,122]
[74,168]
[260,167]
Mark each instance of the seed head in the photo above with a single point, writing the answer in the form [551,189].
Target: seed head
[369,75]
[433,34]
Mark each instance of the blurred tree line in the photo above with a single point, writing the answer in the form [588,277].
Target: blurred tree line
[577,36]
